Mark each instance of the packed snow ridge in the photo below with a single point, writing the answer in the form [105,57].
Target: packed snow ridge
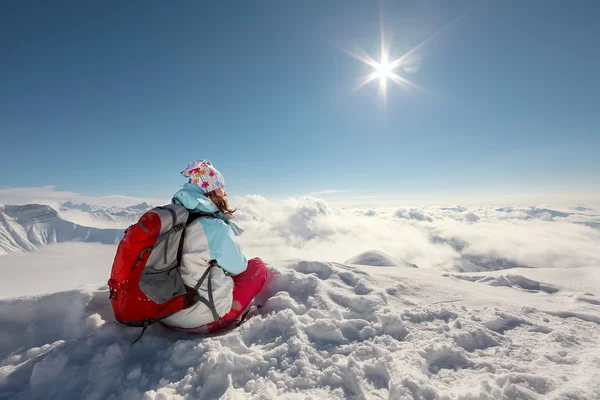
[26,228]
[329,331]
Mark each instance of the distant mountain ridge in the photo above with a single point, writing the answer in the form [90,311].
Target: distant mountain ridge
[27,227]
[126,215]
[544,214]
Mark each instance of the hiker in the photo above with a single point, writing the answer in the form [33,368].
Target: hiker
[232,280]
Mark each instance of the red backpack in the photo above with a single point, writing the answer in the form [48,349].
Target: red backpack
[145,282]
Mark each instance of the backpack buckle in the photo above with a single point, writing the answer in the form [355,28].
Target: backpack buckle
[179,227]
[127,230]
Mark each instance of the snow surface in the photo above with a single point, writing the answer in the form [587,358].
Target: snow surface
[326,330]
[500,330]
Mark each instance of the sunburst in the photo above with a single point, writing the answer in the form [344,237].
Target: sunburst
[385,69]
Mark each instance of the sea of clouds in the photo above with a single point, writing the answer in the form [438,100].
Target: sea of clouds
[431,237]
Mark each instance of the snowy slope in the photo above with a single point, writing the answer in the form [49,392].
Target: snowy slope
[326,331]
[26,228]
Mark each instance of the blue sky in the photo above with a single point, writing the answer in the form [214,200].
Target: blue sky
[105,98]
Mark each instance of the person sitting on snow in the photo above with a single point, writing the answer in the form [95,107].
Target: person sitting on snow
[234,282]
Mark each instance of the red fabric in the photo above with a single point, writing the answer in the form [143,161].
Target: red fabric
[130,305]
[245,286]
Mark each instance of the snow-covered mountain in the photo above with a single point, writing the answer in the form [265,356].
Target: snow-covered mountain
[27,227]
[118,215]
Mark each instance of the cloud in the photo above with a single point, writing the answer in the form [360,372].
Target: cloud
[430,237]
[49,195]
[55,267]
[471,217]
[85,219]
[309,229]
[413,213]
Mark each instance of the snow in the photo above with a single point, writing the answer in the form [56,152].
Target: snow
[325,330]
[377,258]
[29,227]
[331,330]
[373,258]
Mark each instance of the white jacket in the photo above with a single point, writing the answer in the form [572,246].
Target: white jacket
[194,262]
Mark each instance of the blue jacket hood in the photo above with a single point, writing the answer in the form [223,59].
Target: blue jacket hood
[219,232]
[192,198]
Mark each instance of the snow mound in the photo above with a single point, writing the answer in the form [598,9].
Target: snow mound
[373,258]
[325,331]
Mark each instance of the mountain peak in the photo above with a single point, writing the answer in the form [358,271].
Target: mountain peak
[73,206]
[27,227]
[30,213]
[142,206]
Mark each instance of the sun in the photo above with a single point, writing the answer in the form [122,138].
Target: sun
[409,62]
[384,70]
[395,69]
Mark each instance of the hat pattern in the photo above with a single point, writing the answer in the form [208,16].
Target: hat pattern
[202,174]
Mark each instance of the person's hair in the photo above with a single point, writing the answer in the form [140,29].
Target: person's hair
[221,203]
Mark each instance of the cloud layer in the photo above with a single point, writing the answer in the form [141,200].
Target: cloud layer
[447,238]
[55,268]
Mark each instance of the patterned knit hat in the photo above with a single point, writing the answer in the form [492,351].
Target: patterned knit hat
[204,175]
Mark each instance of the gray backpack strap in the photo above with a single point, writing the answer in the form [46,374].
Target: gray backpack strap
[210,302]
[203,277]
[160,280]
[192,216]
